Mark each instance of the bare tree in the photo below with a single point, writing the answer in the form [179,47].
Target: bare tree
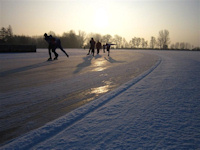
[177,45]
[138,41]
[124,43]
[159,42]
[142,42]
[188,46]
[107,38]
[81,37]
[6,34]
[130,44]
[182,45]
[10,31]
[133,42]
[3,33]
[118,40]
[153,42]
[163,38]
[97,37]
[173,46]
[146,44]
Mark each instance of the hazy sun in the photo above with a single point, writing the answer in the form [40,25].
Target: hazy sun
[101,18]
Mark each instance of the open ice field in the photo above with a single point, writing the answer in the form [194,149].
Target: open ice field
[35,91]
[156,109]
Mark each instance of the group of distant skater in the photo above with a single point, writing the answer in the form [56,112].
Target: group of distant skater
[54,43]
[98,47]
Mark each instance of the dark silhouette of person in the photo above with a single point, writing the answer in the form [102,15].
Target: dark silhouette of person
[92,46]
[98,46]
[104,47]
[53,44]
[108,48]
[48,40]
[89,51]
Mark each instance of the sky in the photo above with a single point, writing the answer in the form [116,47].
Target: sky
[127,18]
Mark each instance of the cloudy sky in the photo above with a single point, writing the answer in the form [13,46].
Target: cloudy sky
[127,18]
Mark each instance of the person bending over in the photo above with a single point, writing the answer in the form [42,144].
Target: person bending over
[54,43]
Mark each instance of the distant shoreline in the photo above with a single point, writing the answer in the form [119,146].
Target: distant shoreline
[156,49]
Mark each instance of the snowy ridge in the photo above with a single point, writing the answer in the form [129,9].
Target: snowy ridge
[53,128]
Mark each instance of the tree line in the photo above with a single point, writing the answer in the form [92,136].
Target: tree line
[72,40]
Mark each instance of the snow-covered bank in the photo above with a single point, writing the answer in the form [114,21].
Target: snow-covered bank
[157,110]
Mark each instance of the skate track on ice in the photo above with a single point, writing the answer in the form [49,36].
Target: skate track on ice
[156,110]
[35,91]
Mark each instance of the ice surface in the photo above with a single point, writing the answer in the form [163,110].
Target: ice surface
[35,91]
[157,110]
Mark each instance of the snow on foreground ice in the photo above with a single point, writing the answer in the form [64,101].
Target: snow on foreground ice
[34,91]
[157,110]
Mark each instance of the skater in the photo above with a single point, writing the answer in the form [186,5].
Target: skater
[48,39]
[104,47]
[89,51]
[108,48]
[98,46]
[92,46]
[53,44]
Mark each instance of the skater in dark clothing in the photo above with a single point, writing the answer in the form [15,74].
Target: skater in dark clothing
[53,44]
[48,40]
[89,51]
[104,47]
[108,48]
[92,46]
[98,46]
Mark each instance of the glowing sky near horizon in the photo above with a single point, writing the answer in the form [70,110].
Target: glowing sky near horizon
[127,18]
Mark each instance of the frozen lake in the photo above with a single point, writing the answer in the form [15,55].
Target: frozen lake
[158,109]
[35,91]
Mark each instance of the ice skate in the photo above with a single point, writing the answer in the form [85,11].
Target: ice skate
[50,59]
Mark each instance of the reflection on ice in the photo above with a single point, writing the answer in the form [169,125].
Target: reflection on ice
[99,69]
[100,65]
[100,90]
